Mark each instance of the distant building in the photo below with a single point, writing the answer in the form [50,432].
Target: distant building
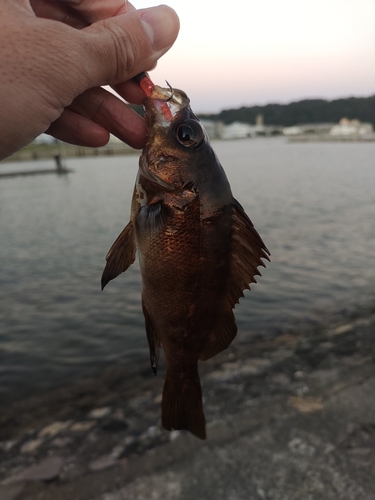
[348,127]
[237,130]
[295,130]
[259,120]
[213,128]
[308,129]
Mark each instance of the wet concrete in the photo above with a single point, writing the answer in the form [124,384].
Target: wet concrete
[289,418]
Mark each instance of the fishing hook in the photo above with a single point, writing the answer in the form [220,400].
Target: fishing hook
[172,92]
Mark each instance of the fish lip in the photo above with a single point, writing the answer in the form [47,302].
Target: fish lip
[143,164]
[163,105]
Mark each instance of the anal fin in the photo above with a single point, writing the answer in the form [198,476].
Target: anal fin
[221,337]
[120,256]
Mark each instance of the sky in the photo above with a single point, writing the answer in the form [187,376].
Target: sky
[267,51]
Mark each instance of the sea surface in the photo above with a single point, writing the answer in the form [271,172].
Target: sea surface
[313,204]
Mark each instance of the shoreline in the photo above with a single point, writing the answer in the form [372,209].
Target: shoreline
[101,433]
[35,152]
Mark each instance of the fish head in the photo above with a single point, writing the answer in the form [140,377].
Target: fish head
[178,157]
[175,137]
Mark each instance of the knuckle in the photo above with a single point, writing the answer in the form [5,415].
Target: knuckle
[126,50]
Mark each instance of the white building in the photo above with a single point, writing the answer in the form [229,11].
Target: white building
[348,127]
[213,128]
[237,130]
[295,130]
[308,129]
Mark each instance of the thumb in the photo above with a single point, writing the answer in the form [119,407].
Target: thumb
[116,49]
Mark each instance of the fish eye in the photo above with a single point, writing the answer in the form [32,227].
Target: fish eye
[189,133]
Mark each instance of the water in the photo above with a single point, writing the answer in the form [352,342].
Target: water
[313,204]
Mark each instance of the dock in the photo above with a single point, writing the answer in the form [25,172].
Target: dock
[60,169]
[23,173]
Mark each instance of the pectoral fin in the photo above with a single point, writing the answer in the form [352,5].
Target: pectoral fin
[149,220]
[120,256]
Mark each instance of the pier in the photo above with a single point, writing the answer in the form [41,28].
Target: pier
[23,173]
[59,170]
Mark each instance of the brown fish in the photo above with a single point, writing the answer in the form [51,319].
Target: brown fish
[197,248]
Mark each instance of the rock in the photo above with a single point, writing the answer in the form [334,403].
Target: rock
[83,426]
[280,379]
[116,423]
[255,366]
[103,462]
[325,376]
[11,492]
[7,445]
[72,469]
[158,399]
[340,330]
[219,430]
[299,447]
[117,451]
[151,432]
[229,371]
[364,452]
[99,413]
[31,446]
[53,429]
[119,414]
[174,435]
[306,404]
[44,471]
[61,442]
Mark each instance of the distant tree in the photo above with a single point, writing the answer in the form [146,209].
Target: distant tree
[301,112]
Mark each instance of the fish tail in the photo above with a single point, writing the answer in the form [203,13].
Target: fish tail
[182,403]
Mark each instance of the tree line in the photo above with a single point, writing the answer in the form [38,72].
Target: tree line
[302,112]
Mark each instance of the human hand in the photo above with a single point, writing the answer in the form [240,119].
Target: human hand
[54,56]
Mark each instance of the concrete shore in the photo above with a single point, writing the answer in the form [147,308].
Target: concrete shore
[290,418]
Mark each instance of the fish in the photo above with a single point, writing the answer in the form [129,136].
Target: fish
[198,251]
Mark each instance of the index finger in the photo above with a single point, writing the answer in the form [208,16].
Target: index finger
[79,14]
[97,10]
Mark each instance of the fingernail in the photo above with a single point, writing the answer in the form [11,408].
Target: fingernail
[161,25]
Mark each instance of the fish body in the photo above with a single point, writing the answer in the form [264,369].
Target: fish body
[197,248]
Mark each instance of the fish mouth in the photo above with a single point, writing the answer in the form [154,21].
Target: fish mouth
[163,105]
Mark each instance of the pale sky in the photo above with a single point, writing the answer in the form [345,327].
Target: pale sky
[262,51]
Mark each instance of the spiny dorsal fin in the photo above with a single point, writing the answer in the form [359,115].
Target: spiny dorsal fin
[120,256]
[247,250]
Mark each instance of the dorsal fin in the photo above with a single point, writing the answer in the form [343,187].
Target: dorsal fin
[247,252]
[120,256]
